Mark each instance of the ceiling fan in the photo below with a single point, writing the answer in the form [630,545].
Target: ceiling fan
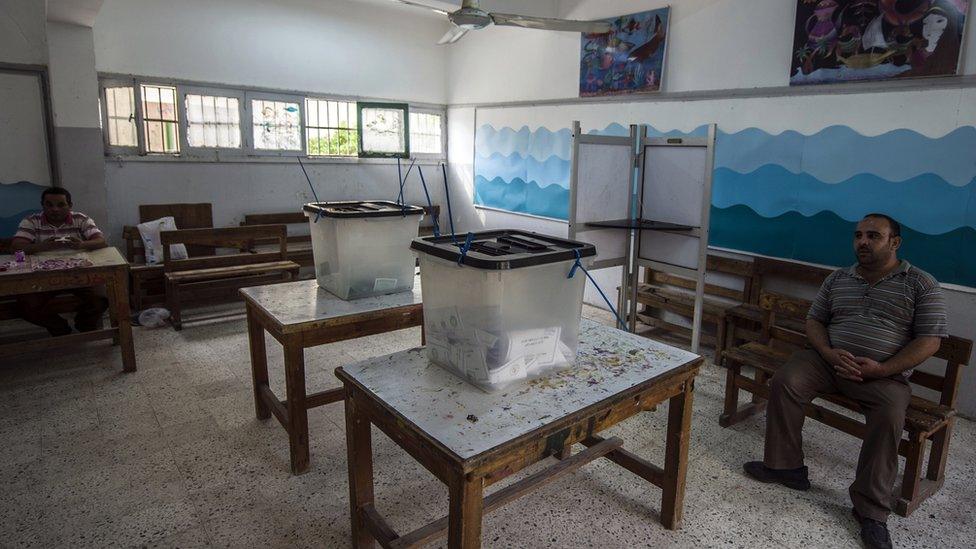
[471,17]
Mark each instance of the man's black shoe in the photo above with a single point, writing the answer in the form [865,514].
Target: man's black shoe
[874,533]
[791,478]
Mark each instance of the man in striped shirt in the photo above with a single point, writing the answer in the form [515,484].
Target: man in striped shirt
[56,228]
[869,325]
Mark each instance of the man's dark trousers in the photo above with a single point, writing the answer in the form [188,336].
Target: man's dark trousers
[884,402]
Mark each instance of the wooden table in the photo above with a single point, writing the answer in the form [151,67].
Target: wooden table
[470,439]
[108,268]
[301,315]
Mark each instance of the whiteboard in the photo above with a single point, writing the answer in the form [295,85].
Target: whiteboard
[23,129]
[674,184]
[604,179]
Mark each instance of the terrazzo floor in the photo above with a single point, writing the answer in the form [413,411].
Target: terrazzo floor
[172,456]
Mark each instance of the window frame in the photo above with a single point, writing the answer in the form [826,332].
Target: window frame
[210,152]
[443,114]
[141,116]
[111,149]
[249,148]
[405,107]
[337,99]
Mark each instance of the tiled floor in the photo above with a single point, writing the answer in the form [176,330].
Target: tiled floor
[172,456]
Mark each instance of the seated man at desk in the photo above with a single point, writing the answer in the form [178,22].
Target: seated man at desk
[869,325]
[59,228]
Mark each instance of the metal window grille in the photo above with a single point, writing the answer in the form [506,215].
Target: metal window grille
[160,121]
[276,125]
[120,108]
[213,121]
[330,128]
[425,133]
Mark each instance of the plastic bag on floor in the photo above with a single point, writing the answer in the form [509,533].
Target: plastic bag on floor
[154,318]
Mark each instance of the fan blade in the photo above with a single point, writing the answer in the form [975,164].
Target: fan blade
[422,5]
[545,23]
[452,35]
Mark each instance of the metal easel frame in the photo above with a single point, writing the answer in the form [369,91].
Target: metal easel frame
[579,230]
[701,231]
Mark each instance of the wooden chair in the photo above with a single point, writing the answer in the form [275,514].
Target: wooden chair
[205,277]
[187,216]
[675,294]
[765,351]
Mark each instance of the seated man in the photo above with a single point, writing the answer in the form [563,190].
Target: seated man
[55,228]
[869,325]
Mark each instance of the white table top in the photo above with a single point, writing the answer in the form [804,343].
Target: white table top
[104,257]
[291,303]
[445,406]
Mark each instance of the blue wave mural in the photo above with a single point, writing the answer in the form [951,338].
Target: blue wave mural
[785,195]
[523,197]
[837,153]
[540,143]
[552,171]
[825,238]
[926,203]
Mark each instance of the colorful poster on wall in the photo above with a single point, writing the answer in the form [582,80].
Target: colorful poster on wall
[852,40]
[628,59]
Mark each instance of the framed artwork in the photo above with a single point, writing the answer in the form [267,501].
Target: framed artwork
[628,59]
[855,40]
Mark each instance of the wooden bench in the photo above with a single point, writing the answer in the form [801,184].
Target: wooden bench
[675,294]
[207,277]
[299,247]
[146,282]
[779,316]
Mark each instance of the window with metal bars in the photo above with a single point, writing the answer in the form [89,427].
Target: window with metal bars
[276,125]
[330,128]
[213,121]
[120,116]
[160,121]
[425,133]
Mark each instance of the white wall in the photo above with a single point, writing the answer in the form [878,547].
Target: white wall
[74,84]
[712,45]
[373,49]
[366,48]
[22,34]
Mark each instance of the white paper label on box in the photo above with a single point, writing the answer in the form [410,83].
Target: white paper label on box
[536,346]
[384,284]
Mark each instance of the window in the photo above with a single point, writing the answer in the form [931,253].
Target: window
[330,127]
[120,116]
[276,125]
[383,130]
[213,121]
[425,133]
[160,123]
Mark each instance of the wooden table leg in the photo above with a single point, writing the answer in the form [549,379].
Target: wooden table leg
[259,361]
[118,301]
[464,520]
[359,459]
[297,410]
[676,456]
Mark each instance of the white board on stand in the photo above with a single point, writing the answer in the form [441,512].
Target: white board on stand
[603,182]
